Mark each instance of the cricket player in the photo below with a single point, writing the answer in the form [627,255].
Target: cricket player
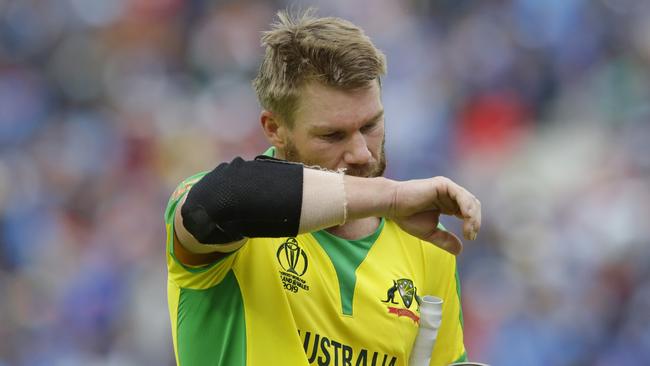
[307,255]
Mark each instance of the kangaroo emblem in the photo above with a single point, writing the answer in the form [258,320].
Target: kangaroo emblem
[390,294]
[407,291]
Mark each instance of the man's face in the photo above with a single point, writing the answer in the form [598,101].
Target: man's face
[337,129]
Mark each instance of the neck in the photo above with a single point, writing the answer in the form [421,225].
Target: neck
[356,229]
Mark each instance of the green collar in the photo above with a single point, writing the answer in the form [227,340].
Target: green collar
[270,152]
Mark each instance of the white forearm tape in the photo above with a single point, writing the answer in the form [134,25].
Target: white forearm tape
[323,200]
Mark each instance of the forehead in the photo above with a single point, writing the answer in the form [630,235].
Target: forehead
[323,106]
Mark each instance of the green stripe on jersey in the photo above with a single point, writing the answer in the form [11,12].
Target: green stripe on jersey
[346,256]
[462,358]
[270,152]
[460,310]
[211,325]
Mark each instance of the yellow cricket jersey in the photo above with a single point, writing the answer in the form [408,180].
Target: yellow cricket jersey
[313,299]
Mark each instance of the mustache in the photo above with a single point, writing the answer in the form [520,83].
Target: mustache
[367,170]
[364,171]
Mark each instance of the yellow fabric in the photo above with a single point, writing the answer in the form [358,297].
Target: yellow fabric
[173,292]
[287,310]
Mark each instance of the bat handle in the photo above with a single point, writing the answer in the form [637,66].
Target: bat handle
[430,318]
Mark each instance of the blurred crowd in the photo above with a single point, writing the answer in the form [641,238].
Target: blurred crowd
[541,108]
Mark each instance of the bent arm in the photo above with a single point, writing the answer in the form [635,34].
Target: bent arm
[261,198]
[272,198]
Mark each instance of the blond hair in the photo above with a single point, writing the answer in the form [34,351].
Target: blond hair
[302,48]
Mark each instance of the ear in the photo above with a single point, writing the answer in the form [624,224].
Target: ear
[274,129]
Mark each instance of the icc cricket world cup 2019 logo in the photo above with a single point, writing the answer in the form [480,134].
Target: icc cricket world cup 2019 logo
[293,260]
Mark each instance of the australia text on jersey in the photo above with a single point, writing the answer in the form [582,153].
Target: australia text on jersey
[322,350]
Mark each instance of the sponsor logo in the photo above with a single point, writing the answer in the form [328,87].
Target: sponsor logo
[407,293]
[184,187]
[322,350]
[293,260]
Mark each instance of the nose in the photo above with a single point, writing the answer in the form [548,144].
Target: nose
[357,152]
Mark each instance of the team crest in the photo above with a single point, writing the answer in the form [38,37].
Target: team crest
[407,293]
[294,263]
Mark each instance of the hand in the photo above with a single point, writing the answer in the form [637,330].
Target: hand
[418,204]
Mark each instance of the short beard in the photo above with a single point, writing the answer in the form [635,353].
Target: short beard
[365,171]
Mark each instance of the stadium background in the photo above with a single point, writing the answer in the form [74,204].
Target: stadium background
[539,107]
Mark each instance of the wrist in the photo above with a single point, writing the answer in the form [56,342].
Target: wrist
[388,196]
